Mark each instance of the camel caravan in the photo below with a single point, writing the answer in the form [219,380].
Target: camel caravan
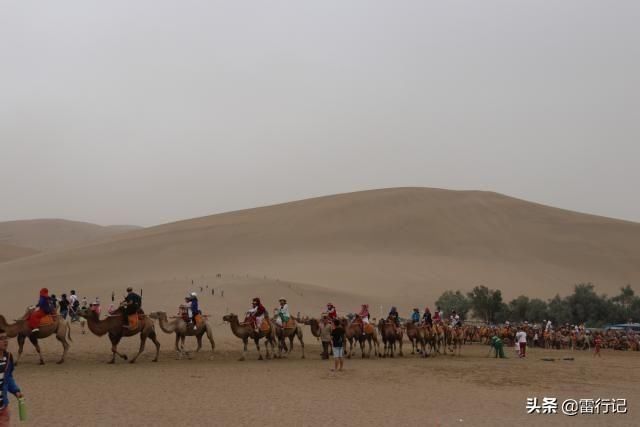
[428,335]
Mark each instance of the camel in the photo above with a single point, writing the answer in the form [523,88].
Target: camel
[113,325]
[390,335]
[414,336]
[354,332]
[290,330]
[21,329]
[314,324]
[244,331]
[182,330]
[438,337]
[454,336]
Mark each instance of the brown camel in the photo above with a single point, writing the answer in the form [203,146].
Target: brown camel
[314,325]
[414,336]
[182,330]
[21,330]
[114,326]
[438,337]
[354,332]
[244,331]
[289,330]
[391,334]
[454,337]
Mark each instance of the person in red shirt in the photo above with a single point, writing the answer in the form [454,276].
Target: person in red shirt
[364,314]
[598,343]
[256,314]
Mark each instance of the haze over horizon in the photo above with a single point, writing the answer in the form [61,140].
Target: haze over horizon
[146,113]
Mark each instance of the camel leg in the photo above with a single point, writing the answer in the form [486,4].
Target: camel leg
[299,335]
[244,349]
[143,341]
[199,340]
[210,337]
[257,340]
[179,350]
[34,341]
[61,336]
[154,340]
[20,348]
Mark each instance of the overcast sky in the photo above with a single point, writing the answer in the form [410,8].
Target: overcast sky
[143,112]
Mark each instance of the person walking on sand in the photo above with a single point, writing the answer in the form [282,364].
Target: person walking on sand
[7,383]
[337,340]
[521,339]
[596,347]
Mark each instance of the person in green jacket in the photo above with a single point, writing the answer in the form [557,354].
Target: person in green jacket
[496,344]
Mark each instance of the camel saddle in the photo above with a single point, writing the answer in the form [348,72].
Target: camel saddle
[47,320]
[368,328]
[199,320]
[265,326]
[289,324]
[134,319]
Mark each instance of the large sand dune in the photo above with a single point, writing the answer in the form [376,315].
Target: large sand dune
[47,234]
[403,245]
[11,252]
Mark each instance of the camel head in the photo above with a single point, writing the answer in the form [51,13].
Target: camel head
[86,313]
[229,317]
[158,315]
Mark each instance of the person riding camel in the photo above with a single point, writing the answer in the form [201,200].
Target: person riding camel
[455,319]
[131,305]
[256,314]
[436,316]
[42,309]
[415,316]
[426,317]
[195,308]
[364,314]
[184,310]
[282,312]
[331,312]
[394,316]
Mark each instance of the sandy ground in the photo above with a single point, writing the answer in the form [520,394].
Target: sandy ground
[471,390]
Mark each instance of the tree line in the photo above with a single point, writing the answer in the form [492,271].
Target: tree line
[583,306]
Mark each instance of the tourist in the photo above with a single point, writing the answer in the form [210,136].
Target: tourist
[415,316]
[337,340]
[282,312]
[7,383]
[64,306]
[75,305]
[325,337]
[195,308]
[256,314]
[426,317]
[597,343]
[496,344]
[43,308]
[364,314]
[521,339]
[131,304]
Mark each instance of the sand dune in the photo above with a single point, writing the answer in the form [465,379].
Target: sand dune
[403,245]
[11,252]
[47,234]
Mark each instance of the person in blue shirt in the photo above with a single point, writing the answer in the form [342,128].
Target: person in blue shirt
[7,383]
[415,316]
[195,309]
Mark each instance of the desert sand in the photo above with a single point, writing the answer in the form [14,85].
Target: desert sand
[471,390]
[399,247]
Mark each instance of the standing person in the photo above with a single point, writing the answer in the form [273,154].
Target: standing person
[54,303]
[7,383]
[85,303]
[596,347]
[337,340]
[521,339]
[75,305]
[496,344]
[64,306]
[325,337]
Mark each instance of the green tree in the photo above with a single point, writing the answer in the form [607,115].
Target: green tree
[486,303]
[454,301]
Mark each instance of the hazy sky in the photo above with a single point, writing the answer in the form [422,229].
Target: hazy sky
[144,112]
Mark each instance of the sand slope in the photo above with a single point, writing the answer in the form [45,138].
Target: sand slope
[402,245]
[11,252]
[47,234]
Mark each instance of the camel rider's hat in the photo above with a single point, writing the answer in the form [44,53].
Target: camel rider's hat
[129,289]
[193,294]
[256,300]
[44,292]
[282,300]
